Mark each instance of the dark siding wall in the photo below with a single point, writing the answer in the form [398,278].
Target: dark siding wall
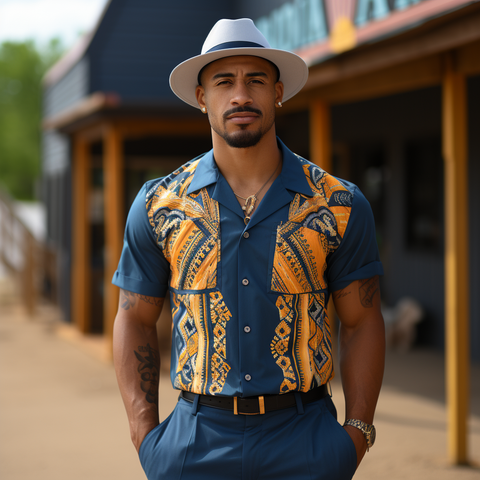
[67,91]
[254,9]
[141,41]
[56,98]
[389,123]
[55,152]
[474,169]
[57,199]
[56,160]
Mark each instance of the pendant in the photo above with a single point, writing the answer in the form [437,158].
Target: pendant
[246,220]
[249,205]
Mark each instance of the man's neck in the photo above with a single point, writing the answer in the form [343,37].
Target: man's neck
[247,169]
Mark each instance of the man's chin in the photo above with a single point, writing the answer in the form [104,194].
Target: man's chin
[243,139]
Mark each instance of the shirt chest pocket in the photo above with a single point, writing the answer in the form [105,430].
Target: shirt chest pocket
[193,251]
[299,260]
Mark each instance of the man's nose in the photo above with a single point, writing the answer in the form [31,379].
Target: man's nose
[241,95]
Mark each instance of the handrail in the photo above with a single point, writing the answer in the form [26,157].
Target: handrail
[20,253]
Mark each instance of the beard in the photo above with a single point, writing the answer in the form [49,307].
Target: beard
[242,138]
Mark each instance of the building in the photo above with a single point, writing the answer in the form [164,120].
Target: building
[392,103]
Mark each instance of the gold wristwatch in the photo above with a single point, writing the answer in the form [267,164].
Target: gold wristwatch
[368,431]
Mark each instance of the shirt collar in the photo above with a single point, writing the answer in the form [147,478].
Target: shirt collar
[292,176]
[205,174]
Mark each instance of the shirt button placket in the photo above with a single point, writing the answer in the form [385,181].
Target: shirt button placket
[244,298]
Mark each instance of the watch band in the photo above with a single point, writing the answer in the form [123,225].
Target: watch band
[368,431]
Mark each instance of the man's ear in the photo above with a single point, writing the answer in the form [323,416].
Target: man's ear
[278,92]
[200,94]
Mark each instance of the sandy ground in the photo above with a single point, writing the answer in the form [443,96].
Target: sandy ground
[61,415]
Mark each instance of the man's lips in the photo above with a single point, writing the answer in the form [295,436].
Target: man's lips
[242,118]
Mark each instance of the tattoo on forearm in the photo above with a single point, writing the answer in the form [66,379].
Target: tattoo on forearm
[128,299]
[148,369]
[368,288]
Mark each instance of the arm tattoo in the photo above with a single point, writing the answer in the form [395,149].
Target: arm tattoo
[341,294]
[129,299]
[148,369]
[368,288]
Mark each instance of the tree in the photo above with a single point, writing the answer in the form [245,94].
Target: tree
[22,66]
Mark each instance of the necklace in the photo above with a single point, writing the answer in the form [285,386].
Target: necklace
[252,199]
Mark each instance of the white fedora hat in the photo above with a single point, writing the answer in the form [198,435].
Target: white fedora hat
[237,37]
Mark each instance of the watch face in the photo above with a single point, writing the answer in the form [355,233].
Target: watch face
[372,435]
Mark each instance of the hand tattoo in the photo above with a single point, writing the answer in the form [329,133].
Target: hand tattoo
[149,372]
[368,288]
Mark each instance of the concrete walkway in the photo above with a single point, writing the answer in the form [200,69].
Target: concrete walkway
[62,418]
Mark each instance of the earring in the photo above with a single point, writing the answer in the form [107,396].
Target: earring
[204,110]
[280,104]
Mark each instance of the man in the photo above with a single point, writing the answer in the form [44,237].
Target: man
[250,240]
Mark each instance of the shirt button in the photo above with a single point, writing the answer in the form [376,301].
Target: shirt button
[246,329]
[248,377]
[245,281]
[246,234]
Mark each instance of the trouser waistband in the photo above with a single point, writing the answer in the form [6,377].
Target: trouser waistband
[257,405]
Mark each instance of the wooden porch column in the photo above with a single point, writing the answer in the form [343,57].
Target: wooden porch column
[456,260]
[320,141]
[80,286]
[113,174]
[321,155]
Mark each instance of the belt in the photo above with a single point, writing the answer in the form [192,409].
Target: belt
[256,405]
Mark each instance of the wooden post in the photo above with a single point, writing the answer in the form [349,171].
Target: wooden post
[81,235]
[320,140]
[456,259]
[321,155]
[114,194]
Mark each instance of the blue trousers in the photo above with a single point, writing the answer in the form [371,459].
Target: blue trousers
[197,442]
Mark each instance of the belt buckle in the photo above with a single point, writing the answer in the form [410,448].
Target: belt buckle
[261,406]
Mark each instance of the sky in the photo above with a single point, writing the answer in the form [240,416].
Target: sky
[42,20]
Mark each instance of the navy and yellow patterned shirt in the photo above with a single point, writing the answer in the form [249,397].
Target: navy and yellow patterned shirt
[248,302]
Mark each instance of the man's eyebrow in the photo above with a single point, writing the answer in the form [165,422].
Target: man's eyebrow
[222,75]
[257,74]
[227,75]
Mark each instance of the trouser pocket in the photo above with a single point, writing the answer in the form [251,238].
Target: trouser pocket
[163,450]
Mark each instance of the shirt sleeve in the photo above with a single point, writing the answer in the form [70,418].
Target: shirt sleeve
[357,257]
[142,267]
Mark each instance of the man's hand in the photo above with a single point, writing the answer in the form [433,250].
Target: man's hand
[359,441]
[142,430]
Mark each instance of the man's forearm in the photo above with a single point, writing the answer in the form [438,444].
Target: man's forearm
[362,357]
[137,365]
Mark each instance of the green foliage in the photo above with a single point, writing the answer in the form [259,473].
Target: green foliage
[22,66]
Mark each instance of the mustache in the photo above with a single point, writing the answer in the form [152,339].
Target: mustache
[241,110]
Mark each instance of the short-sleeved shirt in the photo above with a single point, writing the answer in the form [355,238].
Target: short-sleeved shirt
[248,301]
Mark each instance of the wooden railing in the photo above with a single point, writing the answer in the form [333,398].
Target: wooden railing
[26,259]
